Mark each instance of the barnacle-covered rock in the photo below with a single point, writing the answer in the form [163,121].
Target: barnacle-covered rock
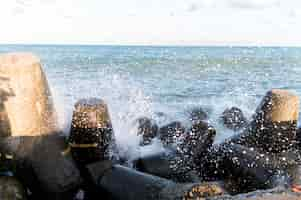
[170,133]
[233,118]
[91,136]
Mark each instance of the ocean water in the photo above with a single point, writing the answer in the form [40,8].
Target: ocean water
[163,82]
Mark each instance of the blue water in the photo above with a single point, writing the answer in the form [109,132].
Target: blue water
[164,82]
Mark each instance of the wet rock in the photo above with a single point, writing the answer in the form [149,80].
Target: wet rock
[218,164]
[233,118]
[128,184]
[198,140]
[198,114]
[197,146]
[171,165]
[298,135]
[272,133]
[11,189]
[91,137]
[209,166]
[251,170]
[148,129]
[26,107]
[180,163]
[170,133]
[42,165]
[274,124]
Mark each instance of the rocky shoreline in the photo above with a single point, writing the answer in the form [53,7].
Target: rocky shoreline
[262,161]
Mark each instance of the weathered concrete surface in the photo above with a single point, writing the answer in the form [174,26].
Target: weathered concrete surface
[26,107]
[283,106]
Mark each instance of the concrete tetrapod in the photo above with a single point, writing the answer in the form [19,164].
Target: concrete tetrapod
[180,164]
[91,137]
[272,130]
[11,189]
[26,107]
[274,124]
[127,184]
[45,169]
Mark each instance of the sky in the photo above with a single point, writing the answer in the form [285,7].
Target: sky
[151,22]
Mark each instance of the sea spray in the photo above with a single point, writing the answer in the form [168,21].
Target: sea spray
[126,103]
[169,79]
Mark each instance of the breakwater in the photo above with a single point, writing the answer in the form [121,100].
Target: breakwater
[271,136]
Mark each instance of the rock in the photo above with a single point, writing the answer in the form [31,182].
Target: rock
[251,170]
[272,131]
[180,164]
[233,118]
[125,183]
[196,146]
[198,114]
[26,107]
[91,137]
[45,169]
[171,165]
[197,141]
[210,165]
[218,164]
[170,133]
[11,189]
[91,190]
[298,135]
[128,184]
[194,191]
[274,124]
[148,129]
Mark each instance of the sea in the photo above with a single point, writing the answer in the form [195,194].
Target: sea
[163,83]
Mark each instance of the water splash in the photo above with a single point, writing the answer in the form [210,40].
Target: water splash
[126,102]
